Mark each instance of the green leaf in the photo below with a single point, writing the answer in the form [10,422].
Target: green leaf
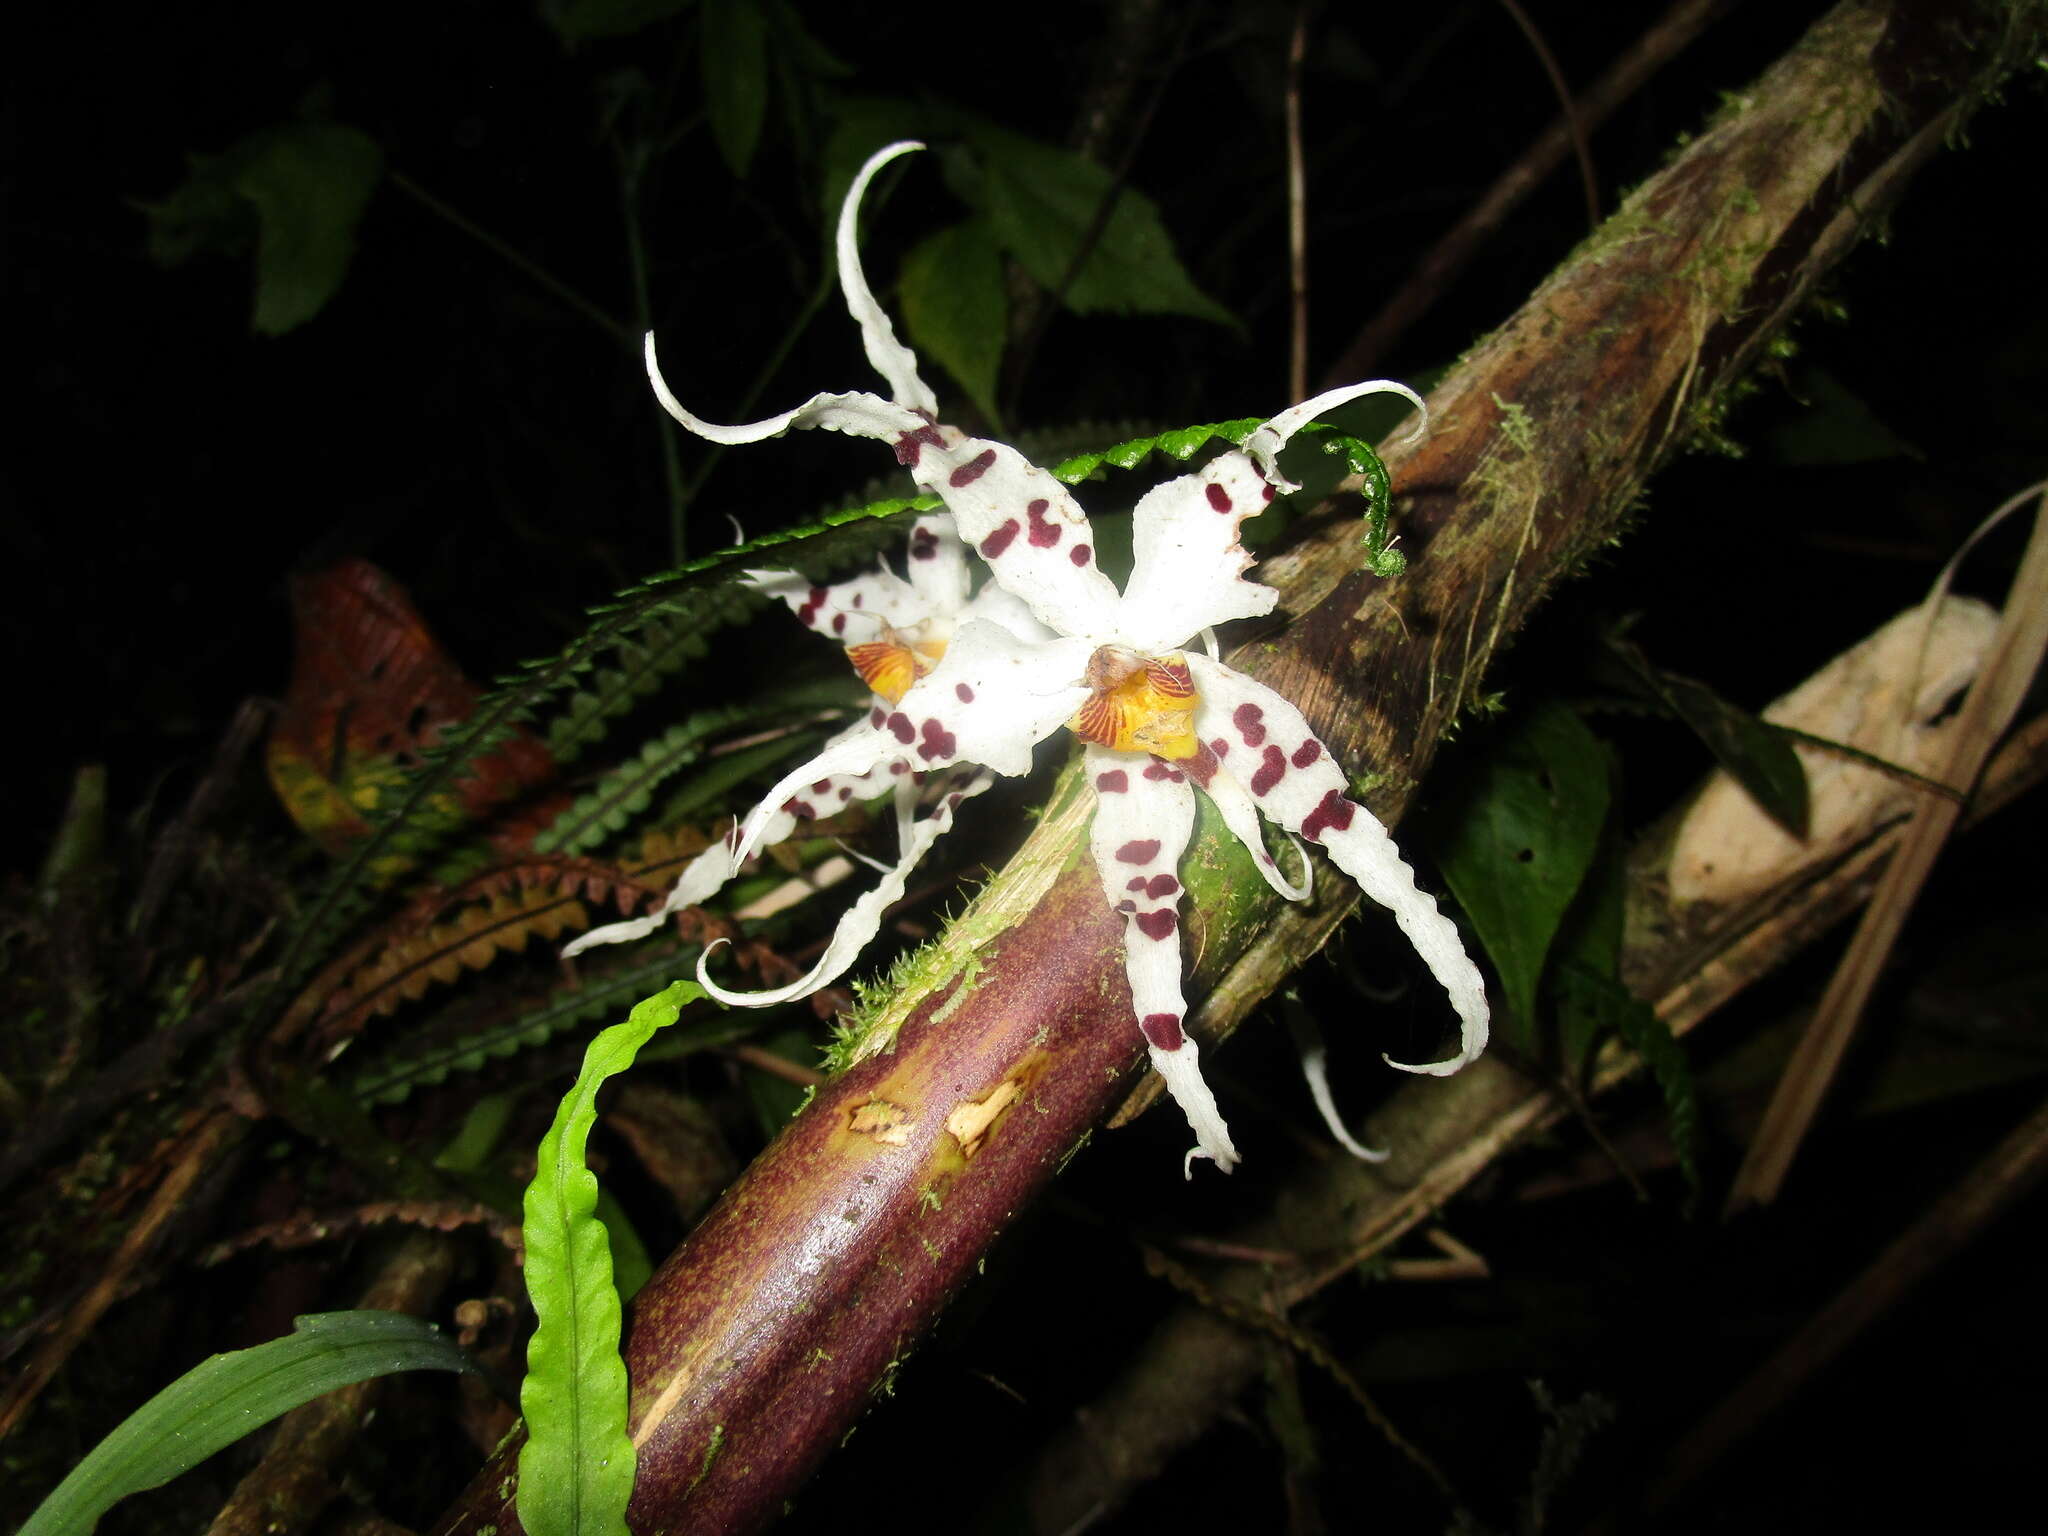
[1837,427]
[576,1468]
[955,307]
[1614,1008]
[230,1395]
[1589,941]
[1760,757]
[202,215]
[299,188]
[309,185]
[469,1149]
[1043,203]
[577,21]
[735,72]
[1516,841]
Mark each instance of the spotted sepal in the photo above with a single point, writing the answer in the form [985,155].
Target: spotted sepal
[1294,782]
[1187,570]
[1025,525]
[707,874]
[857,611]
[1144,815]
[858,923]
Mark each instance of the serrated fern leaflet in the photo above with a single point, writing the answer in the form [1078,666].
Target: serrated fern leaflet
[399,1072]
[627,790]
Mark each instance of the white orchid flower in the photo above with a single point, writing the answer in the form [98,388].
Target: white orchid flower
[894,631]
[1159,722]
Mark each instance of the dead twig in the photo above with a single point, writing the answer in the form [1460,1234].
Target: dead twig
[1273,1324]
[2013,1168]
[205,1144]
[1993,700]
[1439,268]
[1297,214]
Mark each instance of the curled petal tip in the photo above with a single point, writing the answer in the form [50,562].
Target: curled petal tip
[891,359]
[1315,1066]
[713,990]
[1442,1068]
[1187,1164]
[1264,445]
[662,392]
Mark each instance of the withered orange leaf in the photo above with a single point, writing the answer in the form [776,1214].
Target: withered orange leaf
[371,689]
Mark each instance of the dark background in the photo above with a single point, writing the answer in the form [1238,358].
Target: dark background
[495,451]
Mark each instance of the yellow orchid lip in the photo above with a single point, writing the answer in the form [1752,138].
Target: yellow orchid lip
[1140,704]
[892,664]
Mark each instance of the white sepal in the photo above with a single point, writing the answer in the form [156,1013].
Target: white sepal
[850,612]
[892,360]
[858,924]
[1187,567]
[1033,535]
[705,875]
[856,413]
[1144,816]
[1294,781]
[1315,1066]
[702,878]
[1182,1071]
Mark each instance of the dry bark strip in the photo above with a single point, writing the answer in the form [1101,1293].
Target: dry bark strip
[759,1342]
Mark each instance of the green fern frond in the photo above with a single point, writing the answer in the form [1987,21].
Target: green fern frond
[627,790]
[643,665]
[398,1073]
[1182,443]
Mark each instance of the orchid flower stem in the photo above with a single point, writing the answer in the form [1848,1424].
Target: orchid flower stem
[1297,214]
[631,169]
[612,327]
[813,301]
[823,289]
[1589,184]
